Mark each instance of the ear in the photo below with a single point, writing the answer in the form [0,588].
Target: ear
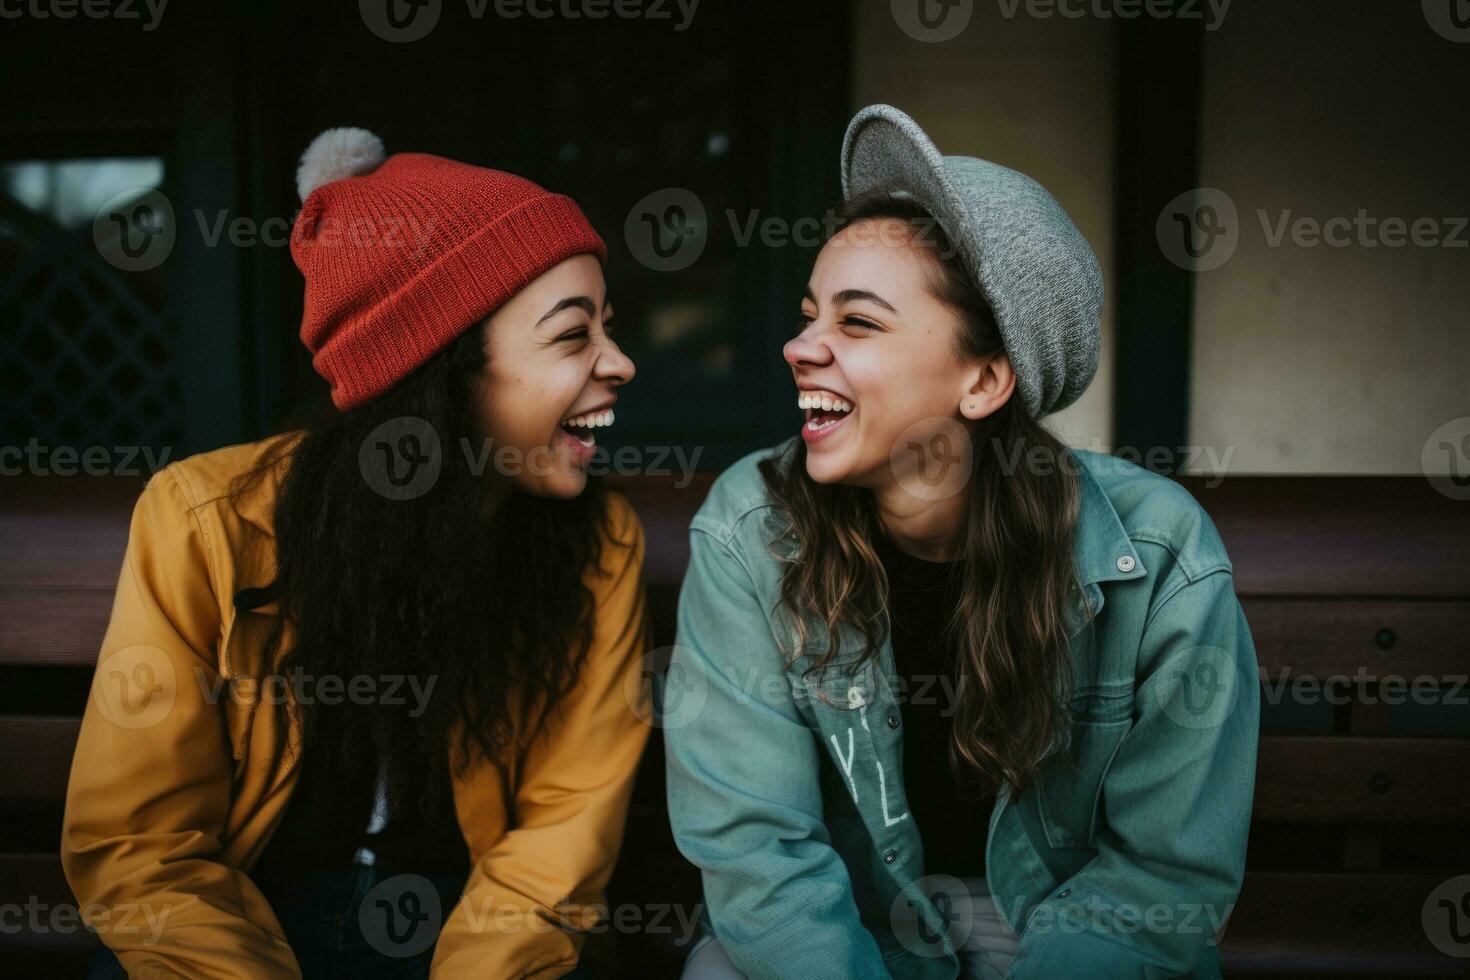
[991,383]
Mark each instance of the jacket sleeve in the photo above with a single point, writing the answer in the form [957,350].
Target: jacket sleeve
[150,782]
[744,790]
[532,896]
[1177,802]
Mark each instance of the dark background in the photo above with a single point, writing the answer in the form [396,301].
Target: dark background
[745,107]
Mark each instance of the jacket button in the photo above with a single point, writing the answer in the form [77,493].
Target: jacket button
[893,721]
[890,856]
[1064,893]
[1125,563]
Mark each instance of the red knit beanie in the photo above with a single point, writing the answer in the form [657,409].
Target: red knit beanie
[402,255]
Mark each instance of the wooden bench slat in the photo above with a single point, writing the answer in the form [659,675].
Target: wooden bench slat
[65,530]
[1307,637]
[1323,637]
[1339,535]
[52,627]
[1329,923]
[1346,779]
[35,885]
[38,753]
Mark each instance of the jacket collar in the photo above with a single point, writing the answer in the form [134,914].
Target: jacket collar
[257,505]
[1101,547]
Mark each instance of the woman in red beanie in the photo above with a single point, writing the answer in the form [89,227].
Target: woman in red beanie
[360,709]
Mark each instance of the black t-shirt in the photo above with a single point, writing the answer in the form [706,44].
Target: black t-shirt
[952,819]
[323,828]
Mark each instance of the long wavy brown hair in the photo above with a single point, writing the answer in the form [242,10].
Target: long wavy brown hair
[1013,667]
[490,605]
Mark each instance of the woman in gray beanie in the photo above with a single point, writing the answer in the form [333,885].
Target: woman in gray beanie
[963,701]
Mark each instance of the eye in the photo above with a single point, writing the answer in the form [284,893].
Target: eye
[579,334]
[857,321]
[803,320]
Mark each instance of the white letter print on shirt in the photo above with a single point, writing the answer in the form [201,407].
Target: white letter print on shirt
[846,764]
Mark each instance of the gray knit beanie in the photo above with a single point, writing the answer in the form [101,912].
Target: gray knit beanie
[1038,273]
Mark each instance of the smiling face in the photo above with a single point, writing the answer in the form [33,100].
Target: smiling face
[552,378]
[879,356]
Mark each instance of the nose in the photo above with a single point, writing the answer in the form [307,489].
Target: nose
[808,348]
[613,366]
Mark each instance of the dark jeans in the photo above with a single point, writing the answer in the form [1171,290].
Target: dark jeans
[336,935]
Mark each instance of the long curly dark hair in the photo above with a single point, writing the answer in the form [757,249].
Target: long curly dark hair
[475,590]
[1013,668]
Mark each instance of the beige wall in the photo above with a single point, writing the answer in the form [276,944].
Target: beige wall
[1032,95]
[1321,359]
[1306,359]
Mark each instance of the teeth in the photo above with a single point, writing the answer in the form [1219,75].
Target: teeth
[825,401]
[591,420]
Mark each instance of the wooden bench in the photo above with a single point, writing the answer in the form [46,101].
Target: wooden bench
[1359,815]
[1360,809]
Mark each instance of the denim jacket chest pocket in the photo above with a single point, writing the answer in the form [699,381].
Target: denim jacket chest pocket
[842,700]
[1069,782]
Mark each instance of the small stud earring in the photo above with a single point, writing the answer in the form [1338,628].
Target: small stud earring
[970,406]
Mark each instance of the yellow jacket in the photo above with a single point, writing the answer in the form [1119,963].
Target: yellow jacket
[173,795]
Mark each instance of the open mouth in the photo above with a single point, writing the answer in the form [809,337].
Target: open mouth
[825,411]
[579,428]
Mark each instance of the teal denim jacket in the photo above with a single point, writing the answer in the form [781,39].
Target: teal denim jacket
[1122,859]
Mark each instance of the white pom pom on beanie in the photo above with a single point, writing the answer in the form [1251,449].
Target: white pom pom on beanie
[344,151]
